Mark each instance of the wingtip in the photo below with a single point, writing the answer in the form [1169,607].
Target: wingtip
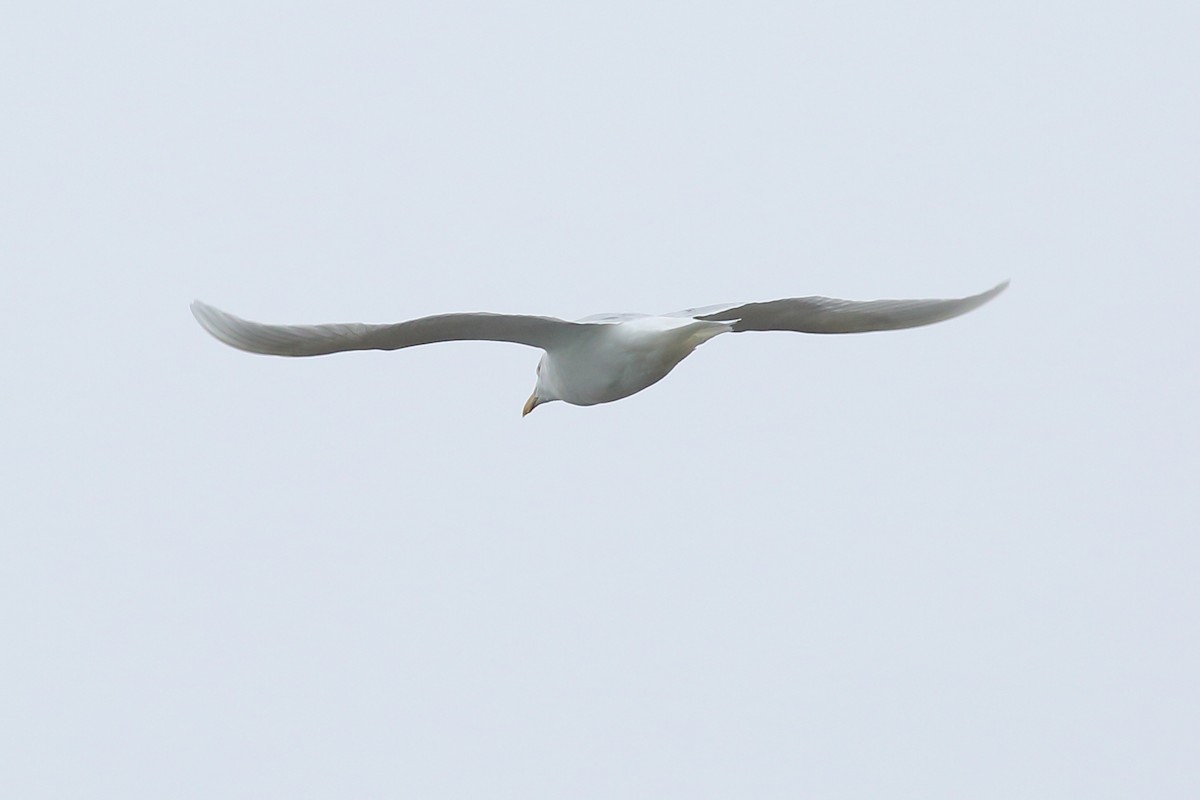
[220,325]
[205,314]
[995,290]
[197,308]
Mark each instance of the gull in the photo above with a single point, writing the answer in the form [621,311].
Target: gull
[597,359]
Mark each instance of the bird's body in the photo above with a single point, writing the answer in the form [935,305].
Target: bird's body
[620,358]
[598,359]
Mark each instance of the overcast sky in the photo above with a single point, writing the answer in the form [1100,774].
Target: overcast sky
[953,562]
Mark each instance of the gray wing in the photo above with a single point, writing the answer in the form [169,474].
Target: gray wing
[829,315]
[317,340]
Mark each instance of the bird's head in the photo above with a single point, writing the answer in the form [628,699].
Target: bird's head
[543,390]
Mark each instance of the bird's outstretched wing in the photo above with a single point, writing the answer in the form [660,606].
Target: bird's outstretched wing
[317,340]
[829,315]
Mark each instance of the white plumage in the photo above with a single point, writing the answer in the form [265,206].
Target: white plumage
[598,359]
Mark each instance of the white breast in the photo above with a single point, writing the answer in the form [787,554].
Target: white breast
[615,361]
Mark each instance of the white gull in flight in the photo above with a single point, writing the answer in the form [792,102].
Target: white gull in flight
[597,359]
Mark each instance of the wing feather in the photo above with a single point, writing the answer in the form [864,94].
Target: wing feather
[316,340]
[830,315]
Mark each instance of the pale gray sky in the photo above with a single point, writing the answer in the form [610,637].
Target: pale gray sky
[959,561]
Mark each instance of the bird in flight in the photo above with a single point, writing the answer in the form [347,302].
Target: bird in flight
[597,359]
